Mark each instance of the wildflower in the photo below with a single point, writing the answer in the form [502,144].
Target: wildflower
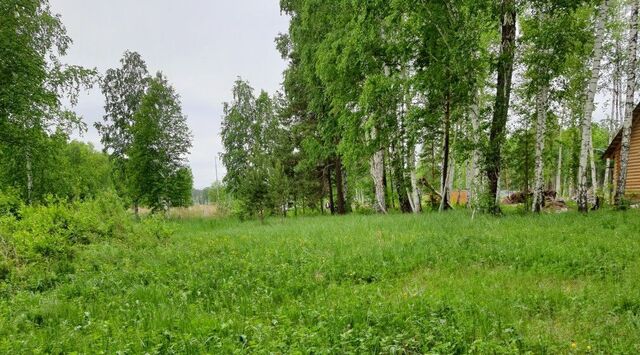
[574,345]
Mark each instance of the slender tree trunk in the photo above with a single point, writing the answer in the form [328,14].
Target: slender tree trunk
[414,195]
[527,168]
[542,102]
[332,206]
[340,190]
[452,173]
[389,179]
[503,94]
[559,173]
[611,128]
[628,119]
[377,172]
[29,170]
[475,188]
[594,172]
[444,201]
[588,110]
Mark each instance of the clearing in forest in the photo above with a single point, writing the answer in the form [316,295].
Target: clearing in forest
[398,283]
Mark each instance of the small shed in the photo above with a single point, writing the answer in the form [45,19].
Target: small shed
[633,173]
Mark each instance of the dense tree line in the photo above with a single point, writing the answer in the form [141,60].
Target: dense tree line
[397,104]
[36,158]
[144,132]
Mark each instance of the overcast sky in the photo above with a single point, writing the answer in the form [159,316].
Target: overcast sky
[202,46]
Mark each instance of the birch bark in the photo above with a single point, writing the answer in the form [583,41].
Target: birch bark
[414,195]
[29,170]
[594,174]
[541,127]
[377,173]
[588,109]
[474,191]
[559,173]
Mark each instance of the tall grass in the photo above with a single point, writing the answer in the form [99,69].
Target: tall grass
[388,284]
[197,211]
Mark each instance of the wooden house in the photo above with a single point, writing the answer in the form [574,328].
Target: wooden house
[633,173]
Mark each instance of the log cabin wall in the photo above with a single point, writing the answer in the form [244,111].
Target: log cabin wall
[633,172]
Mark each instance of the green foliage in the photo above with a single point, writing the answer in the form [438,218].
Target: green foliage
[220,196]
[49,231]
[10,203]
[123,89]
[33,85]
[181,188]
[354,284]
[40,243]
[69,170]
[160,142]
[255,148]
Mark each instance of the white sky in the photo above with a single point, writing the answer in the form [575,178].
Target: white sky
[201,45]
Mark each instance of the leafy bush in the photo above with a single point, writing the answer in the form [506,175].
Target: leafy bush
[50,230]
[37,243]
[10,203]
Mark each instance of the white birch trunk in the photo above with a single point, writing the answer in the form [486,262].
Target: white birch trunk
[588,109]
[498,190]
[541,127]
[474,191]
[377,173]
[414,196]
[559,173]
[29,170]
[628,119]
[468,178]
[611,128]
[605,182]
[594,174]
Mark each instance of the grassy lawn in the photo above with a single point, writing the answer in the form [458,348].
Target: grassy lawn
[392,284]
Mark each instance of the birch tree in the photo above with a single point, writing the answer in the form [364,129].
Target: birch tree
[541,122]
[34,84]
[160,142]
[474,174]
[585,148]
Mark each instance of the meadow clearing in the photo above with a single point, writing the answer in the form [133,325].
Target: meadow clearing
[433,283]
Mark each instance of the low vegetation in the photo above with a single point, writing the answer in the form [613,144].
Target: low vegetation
[39,244]
[397,284]
[385,107]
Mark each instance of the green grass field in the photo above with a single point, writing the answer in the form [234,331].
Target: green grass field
[390,284]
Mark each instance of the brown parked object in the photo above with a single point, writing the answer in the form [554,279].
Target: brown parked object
[521,197]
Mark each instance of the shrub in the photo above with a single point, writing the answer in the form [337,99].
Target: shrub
[10,203]
[38,243]
[50,230]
